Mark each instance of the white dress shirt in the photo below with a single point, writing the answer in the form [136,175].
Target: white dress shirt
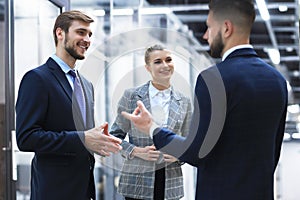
[229,51]
[159,101]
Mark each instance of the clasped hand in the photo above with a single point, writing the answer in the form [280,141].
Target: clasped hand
[150,153]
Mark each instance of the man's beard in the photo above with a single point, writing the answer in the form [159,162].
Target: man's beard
[217,46]
[72,50]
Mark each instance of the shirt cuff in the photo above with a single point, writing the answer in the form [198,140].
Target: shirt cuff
[81,136]
[152,129]
[130,156]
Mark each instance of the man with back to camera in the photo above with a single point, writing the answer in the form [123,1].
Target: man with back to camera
[239,118]
[51,123]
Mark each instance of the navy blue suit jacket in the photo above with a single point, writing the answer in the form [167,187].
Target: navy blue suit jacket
[46,124]
[239,154]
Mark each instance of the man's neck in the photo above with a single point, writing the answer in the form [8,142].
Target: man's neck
[69,60]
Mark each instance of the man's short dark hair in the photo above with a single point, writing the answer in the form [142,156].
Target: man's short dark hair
[240,12]
[65,19]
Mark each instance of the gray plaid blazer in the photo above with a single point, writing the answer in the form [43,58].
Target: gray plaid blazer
[137,175]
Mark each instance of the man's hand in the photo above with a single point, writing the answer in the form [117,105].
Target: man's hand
[141,117]
[101,142]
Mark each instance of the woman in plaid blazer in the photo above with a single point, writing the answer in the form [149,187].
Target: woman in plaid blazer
[148,173]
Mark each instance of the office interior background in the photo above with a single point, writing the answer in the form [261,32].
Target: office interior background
[121,32]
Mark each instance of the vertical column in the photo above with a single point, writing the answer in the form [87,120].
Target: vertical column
[9,98]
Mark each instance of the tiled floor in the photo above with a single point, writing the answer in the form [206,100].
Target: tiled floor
[289,172]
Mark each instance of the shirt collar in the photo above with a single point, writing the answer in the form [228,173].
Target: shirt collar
[153,91]
[61,63]
[229,51]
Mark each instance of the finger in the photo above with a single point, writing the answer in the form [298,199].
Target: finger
[113,147]
[168,160]
[141,106]
[167,156]
[109,138]
[126,115]
[152,157]
[114,139]
[105,128]
[136,111]
[154,153]
[102,126]
[104,153]
[152,147]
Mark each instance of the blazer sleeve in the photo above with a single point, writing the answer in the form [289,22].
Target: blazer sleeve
[121,125]
[281,128]
[190,145]
[32,129]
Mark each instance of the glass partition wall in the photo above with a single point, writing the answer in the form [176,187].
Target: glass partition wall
[28,43]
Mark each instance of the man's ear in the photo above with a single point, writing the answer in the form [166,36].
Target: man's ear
[227,28]
[59,33]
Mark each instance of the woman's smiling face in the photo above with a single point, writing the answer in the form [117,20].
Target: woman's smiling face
[161,67]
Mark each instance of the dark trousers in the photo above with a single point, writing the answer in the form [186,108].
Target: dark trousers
[159,185]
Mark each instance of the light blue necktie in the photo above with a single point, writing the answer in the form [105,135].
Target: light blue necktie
[78,94]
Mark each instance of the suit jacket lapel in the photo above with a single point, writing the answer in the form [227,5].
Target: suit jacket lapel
[62,80]
[174,107]
[143,94]
[60,77]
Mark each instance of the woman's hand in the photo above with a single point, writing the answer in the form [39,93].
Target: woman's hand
[169,159]
[146,153]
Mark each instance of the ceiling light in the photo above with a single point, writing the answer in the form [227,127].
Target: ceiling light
[296,135]
[283,8]
[296,73]
[122,12]
[289,49]
[99,13]
[154,11]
